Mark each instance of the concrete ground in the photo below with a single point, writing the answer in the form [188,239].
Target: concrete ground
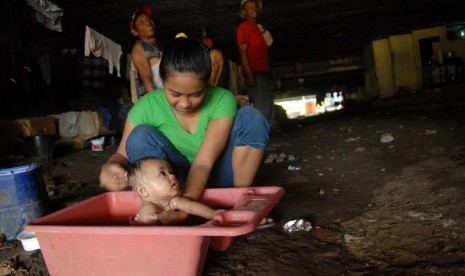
[381,186]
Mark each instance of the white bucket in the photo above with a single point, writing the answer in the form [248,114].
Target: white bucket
[97,144]
[28,240]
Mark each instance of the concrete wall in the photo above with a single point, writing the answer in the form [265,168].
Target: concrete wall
[396,61]
[371,81]
[403,61]
[379,80]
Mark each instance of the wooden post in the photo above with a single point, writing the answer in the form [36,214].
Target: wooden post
[132,77]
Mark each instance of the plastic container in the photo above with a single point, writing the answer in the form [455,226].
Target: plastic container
[94,237]
[97,144]
[28,240]
[40,145]
[23,198]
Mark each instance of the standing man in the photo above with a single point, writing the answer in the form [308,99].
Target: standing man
[145,54]
[255,63]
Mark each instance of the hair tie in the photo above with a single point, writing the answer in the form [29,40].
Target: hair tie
[181,35]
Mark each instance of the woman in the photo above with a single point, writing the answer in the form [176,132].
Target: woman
[196,127]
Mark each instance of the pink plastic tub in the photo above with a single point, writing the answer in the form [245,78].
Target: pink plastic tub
[94,237]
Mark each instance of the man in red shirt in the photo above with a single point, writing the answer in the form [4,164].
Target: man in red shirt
[255,63]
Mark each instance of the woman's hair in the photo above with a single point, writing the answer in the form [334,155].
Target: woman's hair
[185,55]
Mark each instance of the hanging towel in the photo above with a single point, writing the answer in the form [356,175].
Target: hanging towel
[101,46]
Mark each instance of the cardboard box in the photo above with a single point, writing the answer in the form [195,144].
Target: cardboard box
[36,126]
[13,131]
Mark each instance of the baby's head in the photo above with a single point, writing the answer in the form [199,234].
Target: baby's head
[153,179]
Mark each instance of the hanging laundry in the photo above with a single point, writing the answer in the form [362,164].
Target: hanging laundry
[101,46]
[93,72]
[47,13]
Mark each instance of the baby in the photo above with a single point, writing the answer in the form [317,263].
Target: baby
[153,180]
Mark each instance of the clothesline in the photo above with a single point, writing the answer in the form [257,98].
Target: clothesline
[101,46]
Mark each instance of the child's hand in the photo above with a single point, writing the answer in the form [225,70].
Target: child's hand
[147,219]
[217,218]
[219,211]
[148,214]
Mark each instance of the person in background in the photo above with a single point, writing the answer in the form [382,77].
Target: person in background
[145,54]
[154,181]
[255,64]
[195,127]
[217,60]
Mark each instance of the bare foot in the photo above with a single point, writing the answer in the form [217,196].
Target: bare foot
[266,222]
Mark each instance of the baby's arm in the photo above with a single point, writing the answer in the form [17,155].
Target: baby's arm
[193,207]
[148,214]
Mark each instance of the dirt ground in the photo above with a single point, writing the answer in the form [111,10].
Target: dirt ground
[382,186]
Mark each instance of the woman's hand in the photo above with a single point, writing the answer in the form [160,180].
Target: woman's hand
[242,100]
[113,177]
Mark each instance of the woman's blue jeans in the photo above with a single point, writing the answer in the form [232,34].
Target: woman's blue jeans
[250,128]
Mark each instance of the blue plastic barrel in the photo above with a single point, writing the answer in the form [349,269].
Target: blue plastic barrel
[23,198]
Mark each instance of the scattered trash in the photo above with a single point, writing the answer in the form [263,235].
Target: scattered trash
[270,158]
[291,157]
[353,139]
[281,157]
[386,138]
[326,235]
[349,238]
[293,168]
[360,149]
[430,132]
[297,225]
[273,157]
[321,191]
[425,216]
[447,222]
